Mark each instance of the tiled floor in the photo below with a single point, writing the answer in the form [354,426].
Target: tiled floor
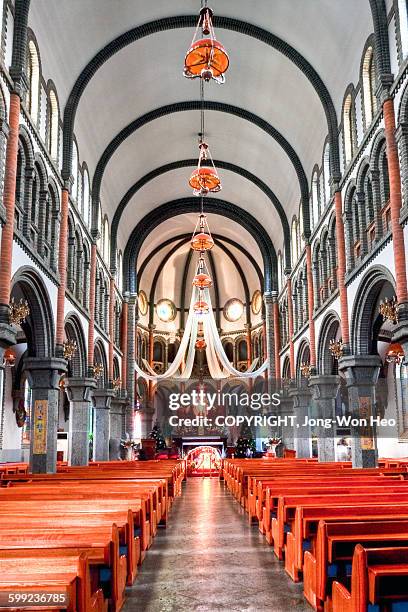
[209,558]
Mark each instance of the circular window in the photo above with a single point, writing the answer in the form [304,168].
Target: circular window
[233,310]
[256,302]
[166,310]
[142,303]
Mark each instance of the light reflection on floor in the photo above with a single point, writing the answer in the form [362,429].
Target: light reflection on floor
[210,559]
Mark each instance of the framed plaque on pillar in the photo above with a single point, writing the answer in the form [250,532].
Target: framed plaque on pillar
[40,427]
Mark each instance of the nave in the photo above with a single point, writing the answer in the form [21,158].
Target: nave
[210,558]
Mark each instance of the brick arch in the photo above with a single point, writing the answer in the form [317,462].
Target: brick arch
[39,328]
[328,332]
[183,21]
[303,356]
[361,173]
[362,318]
[376,149]
[74,332]
[132,191]
[100,357]
[26,142]
[184,205]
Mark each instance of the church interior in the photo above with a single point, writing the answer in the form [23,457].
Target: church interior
[204,305]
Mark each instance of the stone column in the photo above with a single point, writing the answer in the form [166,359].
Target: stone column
[287,431]
[341,269]
[92,297]
[9,200]
[291,328]
[102,404]
[362,219]
[131,355]
[62,265]
[270,342]
[111,324]
[117,413]
[44,375]
[310,300]
[301,407]
[124,338]
[277,336]
[361,375]
[79,391]
[398,242]
[324,392]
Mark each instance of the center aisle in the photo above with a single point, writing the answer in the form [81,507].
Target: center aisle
[209,558]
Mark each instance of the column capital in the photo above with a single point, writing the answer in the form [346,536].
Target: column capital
[8,333]
[360,370]
[324,387]
[45,372]
[80,389]
[103,398]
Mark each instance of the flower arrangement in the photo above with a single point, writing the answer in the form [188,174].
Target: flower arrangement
[129,446]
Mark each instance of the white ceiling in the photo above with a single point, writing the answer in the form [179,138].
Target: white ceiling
[148,74]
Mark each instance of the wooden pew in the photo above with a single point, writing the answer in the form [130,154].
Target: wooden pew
[76,517]
[52,565]
[101,544]
[303,535]
[287,507]
[335,543]
[373,580]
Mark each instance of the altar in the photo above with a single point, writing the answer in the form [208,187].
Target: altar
[203,454]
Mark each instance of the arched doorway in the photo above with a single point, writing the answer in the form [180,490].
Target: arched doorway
[203,461]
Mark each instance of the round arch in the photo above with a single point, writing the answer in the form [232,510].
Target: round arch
[39,327]
[74,332]
[193,162]
[100,358]
[184,21]
[328,331]
[362,318]
[185,205]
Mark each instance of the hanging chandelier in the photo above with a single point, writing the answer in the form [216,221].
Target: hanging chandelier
[200,344]
[202,239]
[201,308]
[206,58]
[204,178]
[202,280]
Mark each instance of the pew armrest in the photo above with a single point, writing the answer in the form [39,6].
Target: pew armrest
[341,598]
[309,579]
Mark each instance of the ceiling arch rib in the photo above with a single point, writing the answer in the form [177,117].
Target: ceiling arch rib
[178,246]
[193,162]
[184,21]
[185,205]
[217,238]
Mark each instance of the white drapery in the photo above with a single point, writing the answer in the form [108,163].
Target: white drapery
[218,362]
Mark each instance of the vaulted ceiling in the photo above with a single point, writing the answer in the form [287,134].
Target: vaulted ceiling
[146,75]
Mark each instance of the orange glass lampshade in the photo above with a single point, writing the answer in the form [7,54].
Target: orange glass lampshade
[200,344]
[206,58]
[202,280]
[202,242]
[205,180]
[201,308]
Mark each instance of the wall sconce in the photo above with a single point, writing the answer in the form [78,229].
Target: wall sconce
[306,370]
[69,349]
[9,359]
[336,348]
[117,383]
[389,310]
[97,370]
[18,312]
